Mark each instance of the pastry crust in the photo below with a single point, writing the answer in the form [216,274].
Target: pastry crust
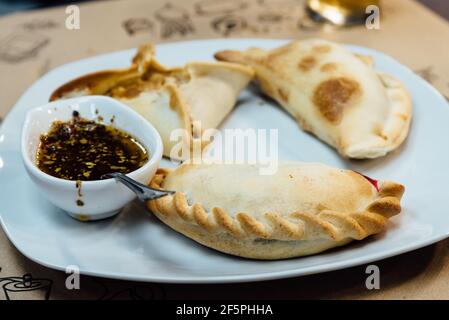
[333,94]
[195,97]
[305,208]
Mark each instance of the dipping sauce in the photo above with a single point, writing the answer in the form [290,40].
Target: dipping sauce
[84,150]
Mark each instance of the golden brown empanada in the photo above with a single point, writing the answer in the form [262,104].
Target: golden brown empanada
[334,94]
[304,208]
[195,97]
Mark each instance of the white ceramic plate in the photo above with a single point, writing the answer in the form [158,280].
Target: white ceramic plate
[135,246]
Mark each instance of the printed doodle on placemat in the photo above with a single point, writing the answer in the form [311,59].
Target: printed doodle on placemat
[227,18]
[215,7]
[21,45]
[228,24]
[133,26]
[26,287]
[174,20]
[40,24]
[427,73]
[117,290]
[276,11]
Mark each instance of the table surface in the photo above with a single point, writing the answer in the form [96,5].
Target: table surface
[439,6]
[409,32]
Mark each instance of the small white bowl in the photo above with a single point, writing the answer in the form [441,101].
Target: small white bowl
[101,198]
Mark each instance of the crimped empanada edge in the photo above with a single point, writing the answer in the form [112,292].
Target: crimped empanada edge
[400,112]
[326,229]
[142,61]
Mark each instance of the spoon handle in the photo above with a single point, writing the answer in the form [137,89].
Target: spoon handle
[143,192]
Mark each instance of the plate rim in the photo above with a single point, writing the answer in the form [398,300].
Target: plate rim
[259,276]
[265,276]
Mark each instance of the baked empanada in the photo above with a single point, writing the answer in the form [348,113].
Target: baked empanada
[304,208]
[334,94]
[194,98]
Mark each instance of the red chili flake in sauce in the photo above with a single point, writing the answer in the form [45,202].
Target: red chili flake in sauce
[85,150]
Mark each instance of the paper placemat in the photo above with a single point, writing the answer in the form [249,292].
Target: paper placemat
[32,43]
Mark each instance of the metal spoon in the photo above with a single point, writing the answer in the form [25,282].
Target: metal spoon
[143,192]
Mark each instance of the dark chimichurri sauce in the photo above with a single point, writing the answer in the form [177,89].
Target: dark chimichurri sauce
[82,149]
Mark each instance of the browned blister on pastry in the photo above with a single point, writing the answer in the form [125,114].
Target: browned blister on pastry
[334,94]
[304,208]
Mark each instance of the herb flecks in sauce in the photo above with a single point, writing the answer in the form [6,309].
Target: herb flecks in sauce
[82,149]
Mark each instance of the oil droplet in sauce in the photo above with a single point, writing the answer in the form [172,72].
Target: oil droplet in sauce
[84,150]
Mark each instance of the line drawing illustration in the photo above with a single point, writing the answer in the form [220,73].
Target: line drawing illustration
[270,17]
[21,45]
[228,24]
[308,24]
[274,14]
[283,8]
[212,7]
[40,24]
[137,292]
[281,4]
[174,20]
[133,26]
[427,74]
[19,288]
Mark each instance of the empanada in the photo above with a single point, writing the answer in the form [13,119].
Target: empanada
[334,94]
[304,208]
[194,98]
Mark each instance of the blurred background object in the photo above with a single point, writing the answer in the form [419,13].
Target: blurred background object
[336,9]
[340,12]
[10,6]
[315,6]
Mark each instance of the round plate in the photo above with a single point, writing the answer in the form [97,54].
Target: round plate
[136,246]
